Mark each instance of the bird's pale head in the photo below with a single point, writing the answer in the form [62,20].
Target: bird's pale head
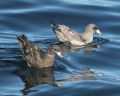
[94,28]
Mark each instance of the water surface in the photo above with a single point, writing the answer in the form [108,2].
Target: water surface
[94,72]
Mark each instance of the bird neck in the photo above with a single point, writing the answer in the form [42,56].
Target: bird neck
[88,35]
[50,52]
[50,55]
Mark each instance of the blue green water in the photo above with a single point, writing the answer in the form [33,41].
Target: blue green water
[95,73]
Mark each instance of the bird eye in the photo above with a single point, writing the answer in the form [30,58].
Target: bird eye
[69,29]
[95,28]
[56,49]
[59,29]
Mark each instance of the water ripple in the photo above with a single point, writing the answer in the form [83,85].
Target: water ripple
[88,71]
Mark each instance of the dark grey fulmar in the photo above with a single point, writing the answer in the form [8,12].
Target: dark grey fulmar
[36,57]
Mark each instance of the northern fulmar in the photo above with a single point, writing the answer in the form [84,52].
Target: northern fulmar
[36,57]
[65,34]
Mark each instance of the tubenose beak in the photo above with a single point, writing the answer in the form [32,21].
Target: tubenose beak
[98,31]
[59,54]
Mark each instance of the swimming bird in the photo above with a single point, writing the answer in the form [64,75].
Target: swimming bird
[37,57]
[66,35]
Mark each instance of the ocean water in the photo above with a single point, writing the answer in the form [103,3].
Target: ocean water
[86,72]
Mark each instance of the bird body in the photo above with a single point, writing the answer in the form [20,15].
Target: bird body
[36,57]
[64,33]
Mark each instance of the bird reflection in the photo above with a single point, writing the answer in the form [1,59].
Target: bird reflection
[87,49]
[33,77]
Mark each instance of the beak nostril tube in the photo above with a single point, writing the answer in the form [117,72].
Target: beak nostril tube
[59,54]
[98,31]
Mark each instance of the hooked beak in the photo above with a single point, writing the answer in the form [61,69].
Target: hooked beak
[59,54]
[98,31]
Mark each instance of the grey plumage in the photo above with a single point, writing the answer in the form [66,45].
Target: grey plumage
[64,33]
[36,57]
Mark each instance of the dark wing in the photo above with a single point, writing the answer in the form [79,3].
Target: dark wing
[30,51]
[41,52]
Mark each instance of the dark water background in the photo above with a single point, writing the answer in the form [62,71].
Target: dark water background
[79,74]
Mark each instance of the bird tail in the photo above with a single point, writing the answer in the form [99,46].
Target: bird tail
[53,24]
